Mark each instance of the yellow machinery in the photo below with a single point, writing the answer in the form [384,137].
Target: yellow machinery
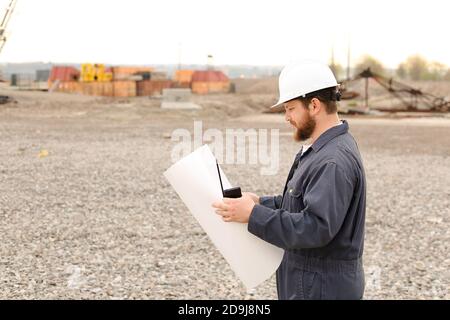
[94,73]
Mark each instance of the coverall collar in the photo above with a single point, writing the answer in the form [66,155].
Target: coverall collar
[330,134]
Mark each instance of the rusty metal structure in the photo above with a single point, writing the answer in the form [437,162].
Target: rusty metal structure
[409,96]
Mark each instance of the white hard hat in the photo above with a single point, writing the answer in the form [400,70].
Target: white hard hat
[300,78]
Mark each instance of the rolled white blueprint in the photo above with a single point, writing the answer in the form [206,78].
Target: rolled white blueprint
[196,181]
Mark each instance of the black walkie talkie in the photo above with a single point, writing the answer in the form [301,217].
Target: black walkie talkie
[228,193]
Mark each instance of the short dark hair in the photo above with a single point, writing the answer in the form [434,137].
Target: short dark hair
[328,96]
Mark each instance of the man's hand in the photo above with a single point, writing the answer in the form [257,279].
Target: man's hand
[235,210]
[253,196]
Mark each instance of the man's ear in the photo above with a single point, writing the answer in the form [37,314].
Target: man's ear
[315,106]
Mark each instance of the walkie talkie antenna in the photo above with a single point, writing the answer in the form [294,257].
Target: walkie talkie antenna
[220,178]
[231,192]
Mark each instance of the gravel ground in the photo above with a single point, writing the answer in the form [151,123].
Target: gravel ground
[87,214]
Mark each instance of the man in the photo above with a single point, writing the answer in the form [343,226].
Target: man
[319,219]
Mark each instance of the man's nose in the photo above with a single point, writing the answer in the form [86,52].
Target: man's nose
[287,117]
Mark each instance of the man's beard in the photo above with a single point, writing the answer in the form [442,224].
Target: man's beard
[306,130]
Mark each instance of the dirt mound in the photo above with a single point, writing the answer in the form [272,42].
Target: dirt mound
[261,85]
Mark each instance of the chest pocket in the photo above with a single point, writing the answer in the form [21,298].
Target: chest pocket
[294,199]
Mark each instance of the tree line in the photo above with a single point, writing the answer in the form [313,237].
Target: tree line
[414,67]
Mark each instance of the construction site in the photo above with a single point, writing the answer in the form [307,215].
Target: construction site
[87,213]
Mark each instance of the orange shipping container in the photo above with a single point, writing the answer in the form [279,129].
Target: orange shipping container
[151,87]
[66,86]
[108,89]
[86,88]
[184,76]
[201,87]
[89,89]
[121,73]
[184,85]
[63,73]
[124,88]
[96,88]
[73,87]
[210,81]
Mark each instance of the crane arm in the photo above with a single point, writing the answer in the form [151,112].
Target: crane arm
[4,23]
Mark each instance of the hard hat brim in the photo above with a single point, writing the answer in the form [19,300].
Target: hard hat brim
[277,107]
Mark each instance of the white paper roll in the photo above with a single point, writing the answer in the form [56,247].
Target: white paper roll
[196,181]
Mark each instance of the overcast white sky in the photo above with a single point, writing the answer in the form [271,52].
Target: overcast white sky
[265,32]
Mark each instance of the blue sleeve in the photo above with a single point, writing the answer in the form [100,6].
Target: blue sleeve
[326,200]
[272,202]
